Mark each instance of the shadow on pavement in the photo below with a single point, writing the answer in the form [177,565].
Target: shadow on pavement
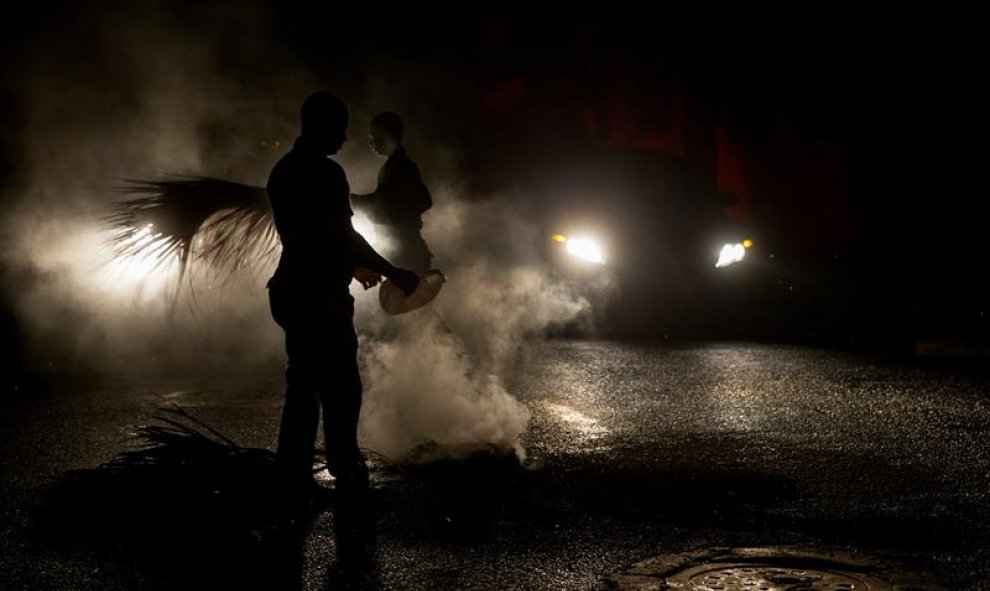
[185,508]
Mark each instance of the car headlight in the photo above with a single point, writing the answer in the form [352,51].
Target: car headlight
[584,249]
[733,253]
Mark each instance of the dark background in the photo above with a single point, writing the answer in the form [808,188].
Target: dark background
[851,144]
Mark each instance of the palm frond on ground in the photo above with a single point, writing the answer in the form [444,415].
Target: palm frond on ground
[182,485]
[186,503]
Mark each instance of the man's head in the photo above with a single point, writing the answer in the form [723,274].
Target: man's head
[386,133]
[324,122]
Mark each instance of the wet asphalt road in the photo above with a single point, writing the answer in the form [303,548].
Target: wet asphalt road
[636,451]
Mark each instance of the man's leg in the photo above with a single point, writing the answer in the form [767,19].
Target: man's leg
[341,396]
[301,411]
[297,431]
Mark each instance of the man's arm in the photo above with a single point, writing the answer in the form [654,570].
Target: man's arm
[366,277]
[366,256]
[357,250]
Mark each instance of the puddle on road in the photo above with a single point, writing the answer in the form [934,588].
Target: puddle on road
[577,420]
[587,429]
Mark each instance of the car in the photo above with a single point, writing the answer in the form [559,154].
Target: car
[651,246]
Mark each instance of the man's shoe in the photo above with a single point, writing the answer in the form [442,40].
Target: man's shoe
[353,476]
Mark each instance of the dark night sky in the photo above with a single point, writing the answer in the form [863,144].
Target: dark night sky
[853,140]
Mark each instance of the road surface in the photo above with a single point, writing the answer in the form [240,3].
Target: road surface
[635,450]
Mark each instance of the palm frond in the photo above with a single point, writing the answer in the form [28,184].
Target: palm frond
[184,500]
[181,478]
[221,225]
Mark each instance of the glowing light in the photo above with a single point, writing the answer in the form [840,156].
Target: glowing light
[747,243]
[731,254]
[145,272]
[559,238]
[585,249]
[137,268]
[367,228]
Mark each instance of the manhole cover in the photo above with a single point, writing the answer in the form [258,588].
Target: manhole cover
[769,577]
[768,569]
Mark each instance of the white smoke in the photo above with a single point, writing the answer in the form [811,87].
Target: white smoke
[423,388]
[436,379]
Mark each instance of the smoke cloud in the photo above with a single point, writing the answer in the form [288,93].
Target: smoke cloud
[138,93]
[436,378]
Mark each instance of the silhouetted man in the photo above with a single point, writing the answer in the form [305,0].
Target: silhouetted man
[401,198]
[310,300]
